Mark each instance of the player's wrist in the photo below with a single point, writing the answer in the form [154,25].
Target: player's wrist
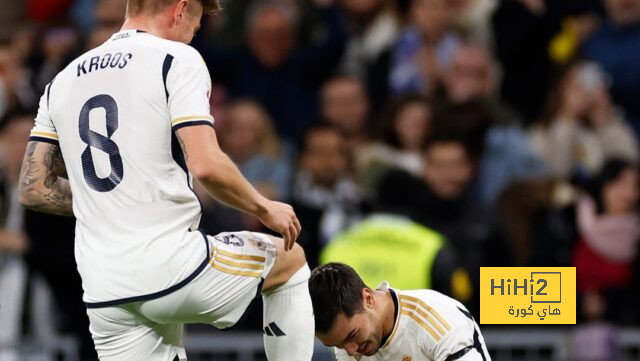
[261,207]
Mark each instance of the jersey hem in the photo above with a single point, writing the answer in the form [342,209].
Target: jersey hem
[158,294]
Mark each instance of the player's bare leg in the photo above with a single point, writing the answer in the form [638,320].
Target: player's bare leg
[288,313]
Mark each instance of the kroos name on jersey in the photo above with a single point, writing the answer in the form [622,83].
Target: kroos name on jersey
[108,60]
[527,295]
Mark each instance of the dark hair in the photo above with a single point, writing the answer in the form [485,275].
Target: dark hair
[466,123]
[335,288]
[554,99]
[387,124]
[399,192]
[135,7]
[611,171]
[319,126]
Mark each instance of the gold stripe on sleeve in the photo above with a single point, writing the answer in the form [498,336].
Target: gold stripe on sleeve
[422,324]
[240,256]
[216,266]
[45,135]
[239,264]
[417,309]
[428,308]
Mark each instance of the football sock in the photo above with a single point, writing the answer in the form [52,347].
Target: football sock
[288,319]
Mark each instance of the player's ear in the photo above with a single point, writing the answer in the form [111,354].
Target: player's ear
[180,10]
[367,298]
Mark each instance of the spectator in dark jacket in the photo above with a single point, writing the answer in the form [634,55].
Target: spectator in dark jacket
[615,46]
[324,196]
[272,69]
[447,206]
[523,31]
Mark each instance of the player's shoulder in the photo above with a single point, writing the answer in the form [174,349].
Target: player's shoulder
[426,296]
[182,53]
[432,312]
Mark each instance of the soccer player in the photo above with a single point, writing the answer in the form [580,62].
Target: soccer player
[389,324]
[119,136]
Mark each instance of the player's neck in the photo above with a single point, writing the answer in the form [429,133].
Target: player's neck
[387,309]
[151,25]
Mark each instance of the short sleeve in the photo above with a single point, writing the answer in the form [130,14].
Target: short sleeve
[188,86]
[44,130]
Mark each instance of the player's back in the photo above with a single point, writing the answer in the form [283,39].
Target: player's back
[112,111]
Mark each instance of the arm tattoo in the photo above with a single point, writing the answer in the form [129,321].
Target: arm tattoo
[44,181]
[29,172]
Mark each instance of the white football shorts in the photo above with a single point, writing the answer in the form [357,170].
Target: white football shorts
[152,330]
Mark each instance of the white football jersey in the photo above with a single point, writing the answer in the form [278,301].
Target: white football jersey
[114,111]
[429,326]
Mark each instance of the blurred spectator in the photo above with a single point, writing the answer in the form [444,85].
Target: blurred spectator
[472,75]
[325,198]
[248,137]
[57,48]
[538,216]
[15,91]
[581,126]
[472,79]
[273,69]
[448,207]
[403,130]
[615,47]
[14,131]
[389,246]
[425,49]
[373,28]
[473,19]
[524,30]
[609,225]
[345,105]
[51,256]
[246,134]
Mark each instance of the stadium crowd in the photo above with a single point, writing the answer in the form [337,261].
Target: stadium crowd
[417,140]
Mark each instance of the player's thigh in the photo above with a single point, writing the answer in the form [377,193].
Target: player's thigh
[287,263]
[220,294]
[122,334]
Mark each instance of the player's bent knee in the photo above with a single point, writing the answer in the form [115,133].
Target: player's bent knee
[286,265]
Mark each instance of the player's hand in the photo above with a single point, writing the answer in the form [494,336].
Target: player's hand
[281,218]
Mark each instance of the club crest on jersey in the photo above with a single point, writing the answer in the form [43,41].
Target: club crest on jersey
[231,239]
[258,243]
[406,358]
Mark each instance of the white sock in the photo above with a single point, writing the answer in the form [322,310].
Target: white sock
[288,325]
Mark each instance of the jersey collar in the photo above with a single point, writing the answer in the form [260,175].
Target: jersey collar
[123,34]
[386,341]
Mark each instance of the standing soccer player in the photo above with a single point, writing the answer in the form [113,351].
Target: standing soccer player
[124,129]
[387,324]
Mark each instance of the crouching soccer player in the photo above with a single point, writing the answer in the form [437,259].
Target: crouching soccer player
[389,324]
